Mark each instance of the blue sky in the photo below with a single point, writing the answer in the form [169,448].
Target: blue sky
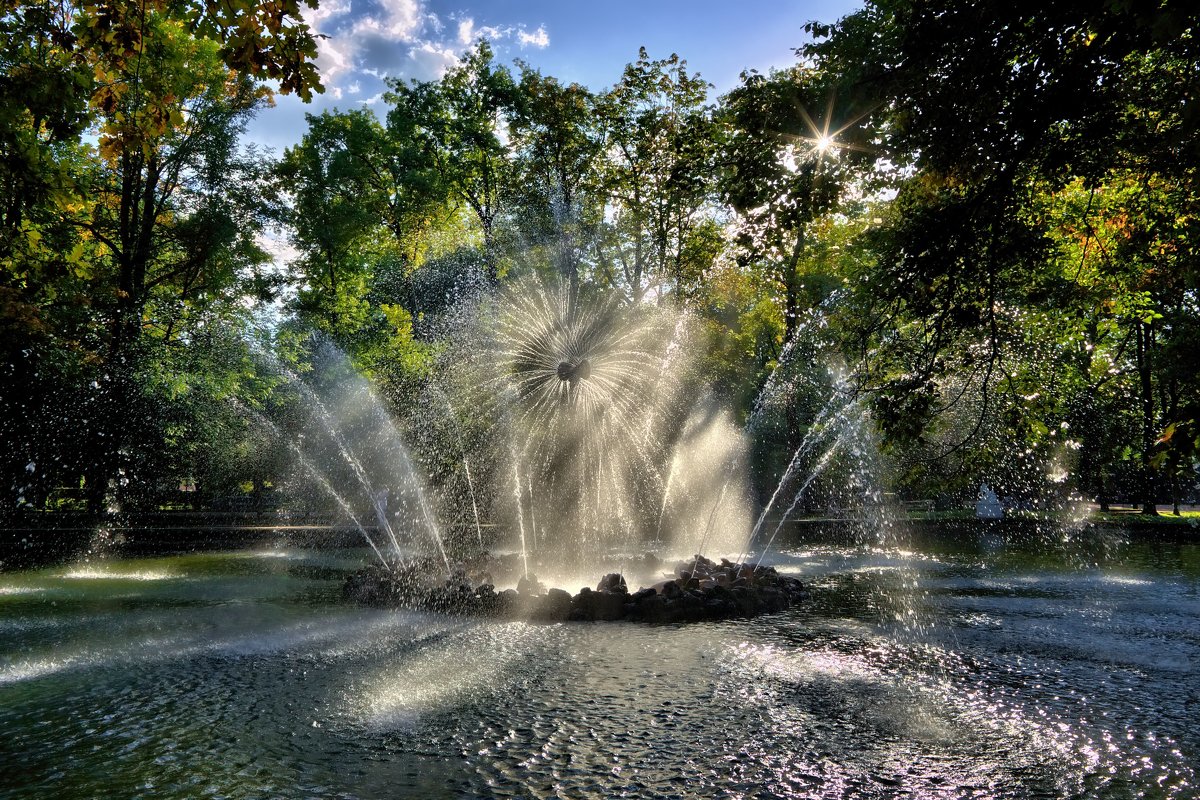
[574,40]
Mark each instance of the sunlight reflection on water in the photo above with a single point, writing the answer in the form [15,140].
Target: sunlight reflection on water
[1024,679]
[109,574]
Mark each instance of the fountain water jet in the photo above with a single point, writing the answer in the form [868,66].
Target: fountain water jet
[594,397]
[347,437]
[320,478]
[612,444]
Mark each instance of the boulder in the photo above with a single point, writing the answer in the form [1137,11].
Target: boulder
[507,603]
[554,606]
[650,607]
[529,584]
[598,606]
[747,600]
[703,590]
[642,594]
[613,582]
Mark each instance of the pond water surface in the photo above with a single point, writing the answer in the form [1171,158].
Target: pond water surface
[975,667]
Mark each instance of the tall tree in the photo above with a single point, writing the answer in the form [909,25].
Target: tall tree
[457,124]
[164,88]
[337,180]
[556,144]
[798,145]
[657,175]
[987,107]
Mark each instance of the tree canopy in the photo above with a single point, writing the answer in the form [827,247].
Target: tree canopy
[979,220]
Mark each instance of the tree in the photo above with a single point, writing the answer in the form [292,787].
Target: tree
[145,214]
[797,144]
[336,179]
[556,145]
[455,125]
[988,108]
[659,141]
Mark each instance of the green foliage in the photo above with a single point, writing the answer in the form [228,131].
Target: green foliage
[659,146]
[744,330]
[982,216]
[555,193]
[1019,275]
[129,222]
[454,124]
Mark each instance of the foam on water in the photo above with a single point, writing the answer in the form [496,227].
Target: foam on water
[20,590]
[90,573]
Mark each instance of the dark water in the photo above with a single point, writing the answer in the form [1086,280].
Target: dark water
[979,669]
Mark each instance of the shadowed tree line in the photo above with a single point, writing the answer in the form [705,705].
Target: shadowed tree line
[981,217]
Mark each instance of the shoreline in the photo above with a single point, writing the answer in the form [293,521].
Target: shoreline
[47,538]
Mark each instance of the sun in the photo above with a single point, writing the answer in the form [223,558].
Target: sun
[822,141]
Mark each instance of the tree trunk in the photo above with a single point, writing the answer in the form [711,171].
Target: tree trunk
[1146,391]
[112,429]
[791,290]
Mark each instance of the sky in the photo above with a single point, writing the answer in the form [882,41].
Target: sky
[574,40]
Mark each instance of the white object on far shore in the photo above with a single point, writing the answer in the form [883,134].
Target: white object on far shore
[988,505]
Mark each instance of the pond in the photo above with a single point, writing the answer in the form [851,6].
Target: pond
[968,666]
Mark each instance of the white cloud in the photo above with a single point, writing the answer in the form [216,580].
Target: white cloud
[431,60]
[365,42]
[466,30]
[539,38]
[369,26]
[336,56]
[327,10]
[403,18]
[493,34]
[468,34]
[397,38]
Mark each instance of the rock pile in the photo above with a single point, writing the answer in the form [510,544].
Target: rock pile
[699,590]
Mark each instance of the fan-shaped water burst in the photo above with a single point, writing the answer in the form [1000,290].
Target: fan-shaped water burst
[594,396]
[348,442]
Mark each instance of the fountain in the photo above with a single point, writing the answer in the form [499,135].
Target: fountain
[972,665]
[609,444]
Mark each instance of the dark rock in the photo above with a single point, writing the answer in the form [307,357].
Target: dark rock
[613,582]
[554,606]
[697,567]
[689,607]
[747,600]
[703,591]
[719,608]
[507,603]
[642,594]
[772,599]
[648,606]
[599,606]
[530,585]
[485,599]
[581,606]
[609,606]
